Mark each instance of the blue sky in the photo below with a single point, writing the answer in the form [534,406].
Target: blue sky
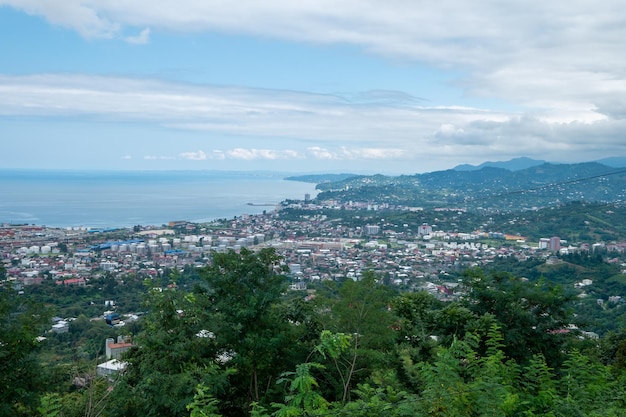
[310,86]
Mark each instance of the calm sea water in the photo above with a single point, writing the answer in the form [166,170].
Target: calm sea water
[122,199]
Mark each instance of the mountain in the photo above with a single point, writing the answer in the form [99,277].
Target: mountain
[320,178]
[515,164]
[614,161]
[490,188]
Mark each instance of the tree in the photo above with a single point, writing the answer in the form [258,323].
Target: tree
[588,388]
[21,375]
[302,397]
[239,301]
[62,247]
[417,321]
[360,310]
[203,404]
[534,317]
[228,335]
[170,360]
[463,382]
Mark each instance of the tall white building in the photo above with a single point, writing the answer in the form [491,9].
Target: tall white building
[372,229]
[424,229]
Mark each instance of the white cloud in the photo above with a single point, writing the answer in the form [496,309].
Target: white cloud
[376,153]
[297,125]
[345,153]
[270,154]
[240,111]
[86,17]
[194,156]
[318,152]
[563,61]
[314,152]
[521,51]
[141,39]
[127,157]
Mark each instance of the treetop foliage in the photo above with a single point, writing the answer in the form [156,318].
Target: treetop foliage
[237,342]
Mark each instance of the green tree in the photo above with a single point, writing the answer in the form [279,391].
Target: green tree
[21,375]
[50,405]
[533,316]
[538,392]
[416,316]
[302,397]
[91,400]
[445,392]
[463,382]
[362,308]
[240,302]
[415,325]
[3,271]
[203,404]
[230,334]
[361,311]
[588,388]
[171,359]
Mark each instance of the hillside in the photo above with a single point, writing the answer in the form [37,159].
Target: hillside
[320,178]
[515,164]
[487,188]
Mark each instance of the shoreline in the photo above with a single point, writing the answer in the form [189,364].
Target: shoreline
[97,202]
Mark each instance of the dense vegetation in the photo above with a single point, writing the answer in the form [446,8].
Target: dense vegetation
[320,178]
[231,340]
[487,189]
[575,222]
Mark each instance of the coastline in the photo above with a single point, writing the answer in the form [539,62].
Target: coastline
[118,199]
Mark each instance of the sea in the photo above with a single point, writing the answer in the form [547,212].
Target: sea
[112,199]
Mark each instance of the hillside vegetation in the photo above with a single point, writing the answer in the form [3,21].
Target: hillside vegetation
[527,333]
[232,341]
[488,188]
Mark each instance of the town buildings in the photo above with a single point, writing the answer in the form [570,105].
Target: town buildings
[313,246]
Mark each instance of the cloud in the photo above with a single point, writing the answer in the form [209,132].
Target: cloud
[612,107]
[85,17]
[375,153]
[383,97]
[515,50]
[563,61]
[344,153]
[158,158]
[320,153]
[270,154]
[559,64]
[141,39]
[531,136]
[314,152]
[194,156]
[225,110]
[298,125]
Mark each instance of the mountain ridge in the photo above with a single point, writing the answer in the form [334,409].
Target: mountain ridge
[523,162]
[493,188]
[515,164]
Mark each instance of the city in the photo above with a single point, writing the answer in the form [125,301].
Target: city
[317,249]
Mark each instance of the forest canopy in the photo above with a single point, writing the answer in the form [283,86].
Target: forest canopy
[235,341]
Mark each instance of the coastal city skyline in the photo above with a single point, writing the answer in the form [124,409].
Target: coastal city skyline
[365,87]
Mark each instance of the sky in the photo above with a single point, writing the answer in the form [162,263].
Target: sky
[367,86]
